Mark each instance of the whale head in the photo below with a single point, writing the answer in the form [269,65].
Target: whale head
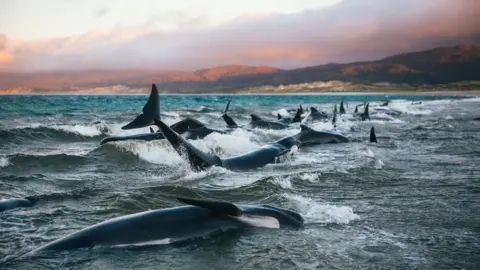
[285,217]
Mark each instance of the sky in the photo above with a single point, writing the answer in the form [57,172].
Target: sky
[181,34]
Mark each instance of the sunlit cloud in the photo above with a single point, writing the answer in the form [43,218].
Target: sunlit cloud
[347,31]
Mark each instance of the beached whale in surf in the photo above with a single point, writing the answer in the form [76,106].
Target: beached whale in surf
[199,218]
[316,115]
[377,109]
[257,121]
[8,204]
[270,153]
[365,114]
[309,136]
[388,111]
[189,127]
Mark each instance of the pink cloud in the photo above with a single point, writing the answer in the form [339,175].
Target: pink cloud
[349,31]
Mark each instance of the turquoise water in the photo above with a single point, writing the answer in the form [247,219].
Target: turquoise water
[409,202]
[54,104]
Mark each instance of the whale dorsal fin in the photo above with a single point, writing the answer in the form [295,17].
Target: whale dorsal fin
[224,208]
[366,114]
[255,117]
[305,128]
[313,110]
[151,111]
[229,121]
[342,108]
[279,116]
[373,137]
[151,130]
[298,116]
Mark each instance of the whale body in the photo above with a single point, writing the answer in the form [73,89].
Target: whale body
[199,218]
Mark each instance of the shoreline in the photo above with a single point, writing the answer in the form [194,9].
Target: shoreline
[333,93]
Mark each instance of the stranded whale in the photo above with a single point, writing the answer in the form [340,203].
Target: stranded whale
[191,128]
[199,218]
[270,153]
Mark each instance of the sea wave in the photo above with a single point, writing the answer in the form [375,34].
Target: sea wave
[46,161]
[317,212]
[63,132]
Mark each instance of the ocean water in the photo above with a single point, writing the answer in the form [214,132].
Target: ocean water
[411,201]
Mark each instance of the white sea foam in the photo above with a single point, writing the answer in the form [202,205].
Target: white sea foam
[4,162]
[310,177]
[283,112]
[377,163]
[190,175]
[316,212]
[81,129]
[237,142]
[282,181]
[156,152]
[84,130]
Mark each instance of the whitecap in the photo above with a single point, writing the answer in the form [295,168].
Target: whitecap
[282,181]
[4,162]
[316,212]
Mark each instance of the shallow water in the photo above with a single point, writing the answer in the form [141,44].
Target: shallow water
[420,209]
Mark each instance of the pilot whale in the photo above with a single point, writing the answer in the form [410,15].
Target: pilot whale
[191,128]
[309,136]
[256,122]
[316,115]
[7,204]
[270,153]
[199,218]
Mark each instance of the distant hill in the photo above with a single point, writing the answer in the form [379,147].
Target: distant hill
[436,66]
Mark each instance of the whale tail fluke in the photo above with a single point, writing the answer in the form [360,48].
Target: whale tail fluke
[373,137]
[150,111]
[197,159]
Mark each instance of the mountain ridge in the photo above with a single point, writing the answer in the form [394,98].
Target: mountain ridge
[440,65]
